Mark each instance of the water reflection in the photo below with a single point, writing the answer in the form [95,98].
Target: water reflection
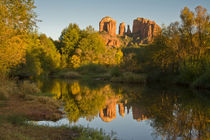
[173,113]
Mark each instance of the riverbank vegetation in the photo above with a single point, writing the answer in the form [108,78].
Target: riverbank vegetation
[178,55]
[26,54]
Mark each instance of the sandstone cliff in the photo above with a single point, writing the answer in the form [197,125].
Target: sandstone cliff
[111,41]
[122,29]
[145,30]
[107,28]
[128,31]
[108,25]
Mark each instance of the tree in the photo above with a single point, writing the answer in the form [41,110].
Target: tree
[92,47]
[69,39]
[17,20]
[42,57]
[202,22]
[183,48]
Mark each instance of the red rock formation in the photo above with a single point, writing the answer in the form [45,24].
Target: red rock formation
[122,29]
[128,30]
[108,25]
[111,41]
[145,29]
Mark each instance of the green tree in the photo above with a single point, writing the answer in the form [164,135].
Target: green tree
[92,47]
[69,39]
[17,20]
[42,57]
[183,48]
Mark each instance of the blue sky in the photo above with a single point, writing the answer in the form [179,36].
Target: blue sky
[57,14]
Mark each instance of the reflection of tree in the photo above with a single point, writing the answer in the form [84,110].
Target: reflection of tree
[174,113]
[81,101]
[179,116]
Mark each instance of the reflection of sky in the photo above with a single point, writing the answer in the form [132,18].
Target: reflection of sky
[126,127]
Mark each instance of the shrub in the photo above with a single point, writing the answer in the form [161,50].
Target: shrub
[93,134]
[130,77]
[7,87]
[190,72]
[203,81]
[92,68]
[71,74]
[115,72]
[16,119]
[27,87]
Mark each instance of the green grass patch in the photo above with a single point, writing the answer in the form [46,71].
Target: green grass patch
[16,119]
[129,77]
[203,81]
[92,69]
[67,74]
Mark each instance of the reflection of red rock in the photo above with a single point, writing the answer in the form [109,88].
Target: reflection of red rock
[128,109]
[108,25]
[109,113]
[138,114]
[121,109]
[145,29]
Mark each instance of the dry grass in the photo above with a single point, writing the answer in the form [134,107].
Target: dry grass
[19,99]
[22,105]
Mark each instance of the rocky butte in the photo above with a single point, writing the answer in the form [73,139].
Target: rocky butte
[144,31]
[122,29]
[107,27]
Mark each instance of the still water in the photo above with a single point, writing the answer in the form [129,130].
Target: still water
[132,112]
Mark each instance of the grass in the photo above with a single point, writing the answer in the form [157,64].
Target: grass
[23,104]
[69,74]
[16,119]
[129,77]
[92,69]
[202,81]
[93,134]
[7,88]
[9,131]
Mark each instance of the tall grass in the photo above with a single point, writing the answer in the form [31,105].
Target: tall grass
[202,81]
[92,69]
[129,77]
[10,87]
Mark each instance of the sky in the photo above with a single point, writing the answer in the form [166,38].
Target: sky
[55,15]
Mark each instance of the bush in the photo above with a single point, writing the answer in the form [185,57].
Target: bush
[26,87]
[130,77]
[93,134]
[203,81]
[92,68]
[67,74]
[7,87]
[16,119]
[115,72]
[190,72]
